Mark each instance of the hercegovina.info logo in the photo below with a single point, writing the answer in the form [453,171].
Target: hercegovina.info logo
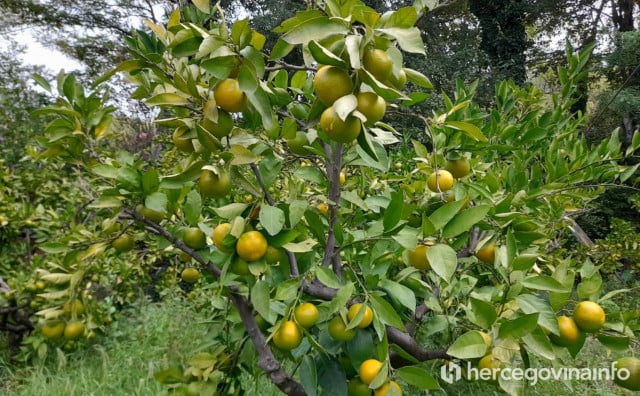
[453,372]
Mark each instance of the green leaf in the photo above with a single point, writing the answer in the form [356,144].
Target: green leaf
[386,312]
[156,201]
[530,304]
[261,301]
[409,39]
[242,155]
[418,78]
[230,211]
[106,171]
[345,106]
[404,17]
[471,130]
[544,282]
[296,211]
[202,5]
[42,82]
[445,213]
[341,298]
[150,181]
[54,247]
[221,66]
[260,101]
[402,294]
[539,343]
[300,247]
[165,99]
[287,290]
[481,313]
[465,220]
[614,343]
[314,29]
[325,57]
[309,376]
[470,345]
[393,212]
[519,327]
[443,261]
[418,377]
[192,208]
[272,219]
[524,262]
[327,277]
[177,181]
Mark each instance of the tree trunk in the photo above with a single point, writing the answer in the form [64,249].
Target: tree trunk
[503,35]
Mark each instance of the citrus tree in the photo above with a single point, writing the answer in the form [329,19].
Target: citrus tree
[331,254]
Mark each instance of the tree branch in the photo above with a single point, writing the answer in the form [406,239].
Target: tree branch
[333,163]
[267,360]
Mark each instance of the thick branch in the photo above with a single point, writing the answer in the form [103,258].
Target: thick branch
[333,165]
[267,360]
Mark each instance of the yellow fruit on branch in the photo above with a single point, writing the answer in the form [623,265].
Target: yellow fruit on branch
[229,96]
[251,246]
[569,332]
[323,208]
[378,63]
[369,370]
[123,243]
[73,330]
[331,83]
[194,238]
[440,181]
[190,275]
[288,336]
[219,233]
[306,315]
[372,106]
[222,127]
[487,253]
[385,389]
[632,366]
[589,316]
[367,317]
[53,329]
[340,131]
[182,143]
[214,185]
[399,81]
[338,330]
[418,257]
[458,167]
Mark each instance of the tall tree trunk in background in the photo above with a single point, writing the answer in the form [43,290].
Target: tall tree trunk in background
[622,15]
[581,94]
[503,35]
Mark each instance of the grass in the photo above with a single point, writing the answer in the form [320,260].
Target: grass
[146,338]
[149,336]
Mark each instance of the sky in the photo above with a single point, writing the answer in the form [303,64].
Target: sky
[37,54]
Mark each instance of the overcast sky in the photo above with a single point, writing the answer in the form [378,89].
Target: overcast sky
[37,54]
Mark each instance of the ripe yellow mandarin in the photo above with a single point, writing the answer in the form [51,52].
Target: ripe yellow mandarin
[372,106]
[288,336]
[331,83]
[369,369]
[487,253]
[440,181]
[306,315]
[589,316]
[219,233]
[367,318]
[341,131]
[418,257]
[378,63]
[385,389]
[569,332]
[73,330]
[251,246]
[214,185]
[229,96]
[190,275]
